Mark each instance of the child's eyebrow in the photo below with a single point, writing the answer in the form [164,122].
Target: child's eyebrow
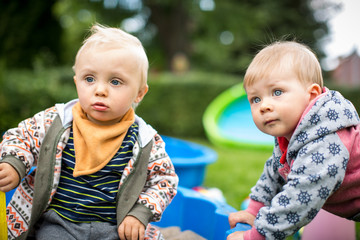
[86,70]
[251,93]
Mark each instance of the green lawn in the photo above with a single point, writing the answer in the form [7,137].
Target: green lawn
[236,171]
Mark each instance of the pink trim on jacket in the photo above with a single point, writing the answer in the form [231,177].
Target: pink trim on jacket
[253,209]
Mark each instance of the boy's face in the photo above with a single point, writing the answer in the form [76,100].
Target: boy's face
[108,81]
[277,103]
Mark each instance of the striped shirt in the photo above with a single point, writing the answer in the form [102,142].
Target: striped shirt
[91,197]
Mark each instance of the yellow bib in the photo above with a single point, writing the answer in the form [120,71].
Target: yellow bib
[95,145]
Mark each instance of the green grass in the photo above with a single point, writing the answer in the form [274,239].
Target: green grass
[236,171]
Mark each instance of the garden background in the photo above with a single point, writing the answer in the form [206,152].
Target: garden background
[196,48]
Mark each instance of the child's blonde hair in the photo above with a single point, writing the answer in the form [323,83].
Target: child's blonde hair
[116,38]
[284,56]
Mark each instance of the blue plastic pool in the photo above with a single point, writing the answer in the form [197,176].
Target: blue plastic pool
[236,123]
[228,122]
[189,159]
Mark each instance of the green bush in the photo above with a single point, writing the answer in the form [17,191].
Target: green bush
[174,104]
[24,93]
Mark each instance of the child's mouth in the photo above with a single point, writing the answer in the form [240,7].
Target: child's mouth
[270,122]
[99,106]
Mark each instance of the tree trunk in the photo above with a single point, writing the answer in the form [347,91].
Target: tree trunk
[172,21]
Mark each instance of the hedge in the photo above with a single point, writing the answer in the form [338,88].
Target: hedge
[174,105]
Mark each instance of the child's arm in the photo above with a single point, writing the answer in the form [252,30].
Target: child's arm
[242,223]
[239,217]
[9,177]
[21,145]
[315,174]
[131,228]
[161,184]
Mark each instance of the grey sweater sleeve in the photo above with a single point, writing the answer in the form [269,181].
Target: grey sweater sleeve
[316,172]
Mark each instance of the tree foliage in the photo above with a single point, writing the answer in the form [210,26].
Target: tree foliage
[29,32]
[252,24]
[216,35]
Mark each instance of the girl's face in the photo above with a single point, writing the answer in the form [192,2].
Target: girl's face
[108,82]
[278,101]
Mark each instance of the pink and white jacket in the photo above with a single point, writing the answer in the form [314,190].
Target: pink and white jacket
[318,168]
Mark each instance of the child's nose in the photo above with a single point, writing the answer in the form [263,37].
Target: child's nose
[101,89]
[266,105]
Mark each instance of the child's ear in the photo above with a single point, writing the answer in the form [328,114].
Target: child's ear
[141,93]
[314,90]
[74,79]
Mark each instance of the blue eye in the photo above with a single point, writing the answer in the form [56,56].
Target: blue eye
[277,92]
[89,79]
[115,82]
[256,100]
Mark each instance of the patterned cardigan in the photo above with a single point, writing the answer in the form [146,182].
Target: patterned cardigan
[40,140]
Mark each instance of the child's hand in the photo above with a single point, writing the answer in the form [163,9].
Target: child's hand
[242,217]
[131,228]
[236,236]
[9,178]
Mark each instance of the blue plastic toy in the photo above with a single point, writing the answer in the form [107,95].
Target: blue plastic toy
[191,210]
[190,160]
